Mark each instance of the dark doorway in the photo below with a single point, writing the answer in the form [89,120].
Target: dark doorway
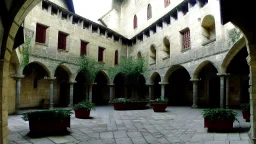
[179,90]
[209,87]
[238,79]
[62,79]
[119,86]
[100,91]
[157,87]
[80,88]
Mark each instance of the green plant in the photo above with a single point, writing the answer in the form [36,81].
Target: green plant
[245,107]
[25,51]
[85,104]
[159,100]
[219,114]
[89,66]
[131,68]
[47,115]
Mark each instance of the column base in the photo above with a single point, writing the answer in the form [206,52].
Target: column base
[194,106]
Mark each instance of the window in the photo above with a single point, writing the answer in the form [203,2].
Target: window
[101,54]
[116,57]
[135,24]
[83,50]
[166,3]
[40,33]
[62,41]
[186,39]
[149,12]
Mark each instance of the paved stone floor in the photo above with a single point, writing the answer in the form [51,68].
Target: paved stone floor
[179,125]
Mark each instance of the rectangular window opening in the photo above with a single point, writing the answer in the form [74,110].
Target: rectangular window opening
[186,43]
[62,41]
[83,50]
[101,54]
[41,33]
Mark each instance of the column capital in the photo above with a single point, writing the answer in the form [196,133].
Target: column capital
[149,84]
[194,80]
[111,85]
[50,78]
[222,74]
[163,83]
[15,76]
[72,82]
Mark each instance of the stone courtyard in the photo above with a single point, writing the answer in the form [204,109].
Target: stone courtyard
[179,125]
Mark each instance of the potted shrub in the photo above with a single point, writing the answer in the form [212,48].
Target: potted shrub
[82,109]
[246,111]
[159,105]
[48,121]
[219,119]
[127,104]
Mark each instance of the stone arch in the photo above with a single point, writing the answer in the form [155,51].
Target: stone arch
[232,53]
[200,67]
[100,89]
[43,66]
[67,69]
[153,76]
[119,82]
[208,28]
[169,72]
[106,76]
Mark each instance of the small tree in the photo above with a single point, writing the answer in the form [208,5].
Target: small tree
[25,51]
[131,68]
[89,66]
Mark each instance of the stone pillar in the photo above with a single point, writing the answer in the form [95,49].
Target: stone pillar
[150,85]
[51,91]
[222,88]
[86,92]
[71,93]
[17,97]
[111,92]
[90,91]
[195,92]
[125,91]
[251,59]
[163,89]
[227,90]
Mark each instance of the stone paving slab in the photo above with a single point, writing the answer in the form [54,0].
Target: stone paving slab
[178,125]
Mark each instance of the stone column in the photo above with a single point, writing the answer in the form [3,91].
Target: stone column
[195,92]
[150,85]
[90,91]
[51,91]
[71,93]
[222,88]
[17,97]
[227,90]
[163,89]
[111,92]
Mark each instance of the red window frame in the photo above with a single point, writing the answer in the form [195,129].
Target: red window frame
[186,39]
[166,3]
[149,12]
[101,54]
[62,41]
[135,22]
[83,48]
[116,57]
[40,33]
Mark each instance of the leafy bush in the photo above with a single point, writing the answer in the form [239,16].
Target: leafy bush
[47,115]
[245,107]
[159,100]
[131,68]
[219,114]
[125,100]
[85,104]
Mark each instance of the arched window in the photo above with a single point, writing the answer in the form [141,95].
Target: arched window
[135,24]
[166,3]
[116,57]
[149,13]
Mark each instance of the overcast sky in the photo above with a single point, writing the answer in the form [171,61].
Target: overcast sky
[92,9]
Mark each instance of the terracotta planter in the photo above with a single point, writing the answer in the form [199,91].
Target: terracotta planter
[246,115]
[48,126]
[159,107]
[82,113]
[130,106]
[218,125]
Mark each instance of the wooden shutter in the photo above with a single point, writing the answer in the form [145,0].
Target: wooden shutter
[135,22]
[116,57]
[83,48]
[186,39]
[62,40]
